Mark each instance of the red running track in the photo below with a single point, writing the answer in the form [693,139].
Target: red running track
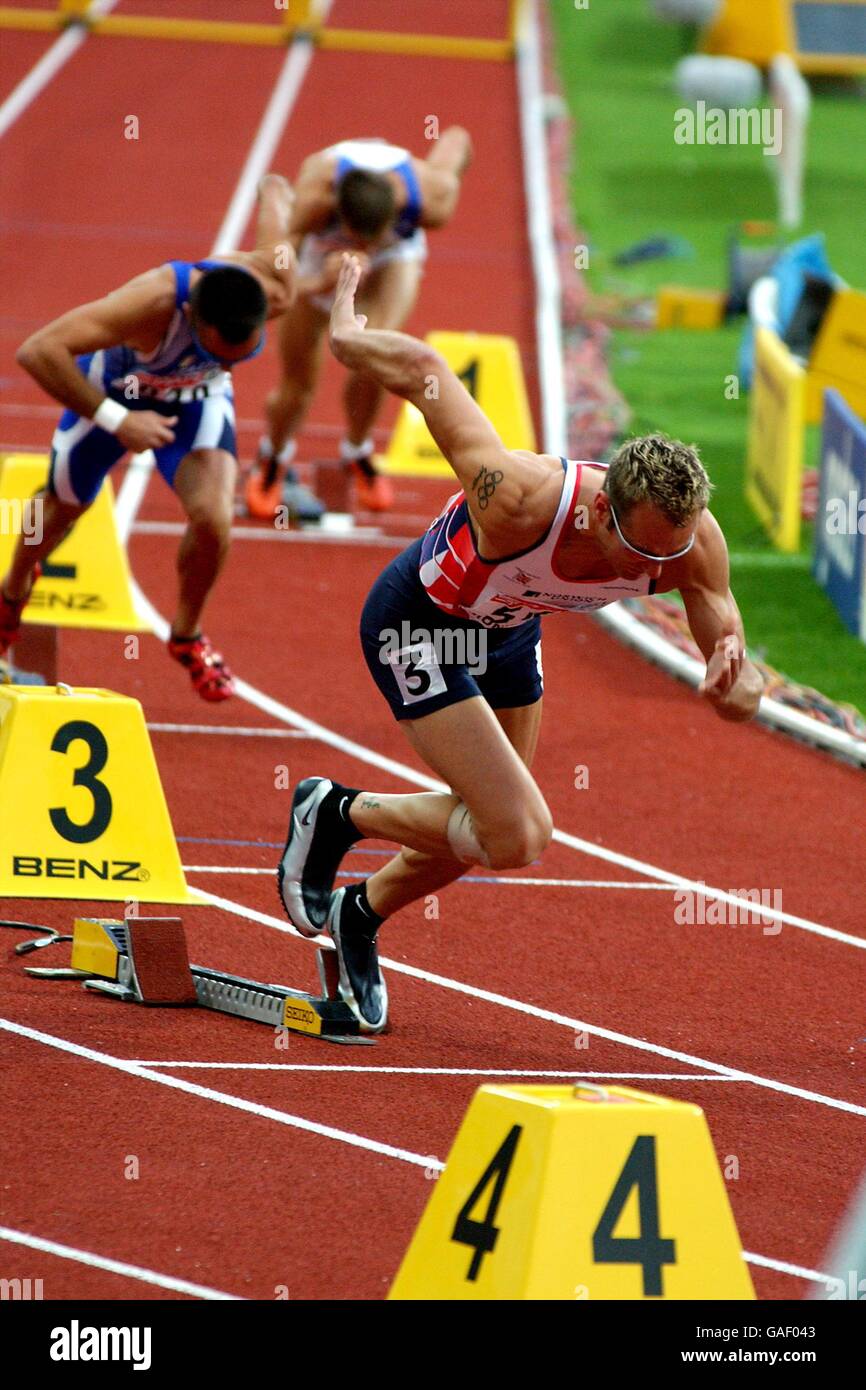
[225,1194]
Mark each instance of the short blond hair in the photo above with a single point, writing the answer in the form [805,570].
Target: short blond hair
[662,471]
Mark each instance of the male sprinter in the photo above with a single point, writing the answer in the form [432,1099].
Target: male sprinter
[528,534]
[375,199]
[149,367]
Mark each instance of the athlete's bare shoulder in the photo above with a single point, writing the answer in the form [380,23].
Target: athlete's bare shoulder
[143,307]
[155,289]
[536,486]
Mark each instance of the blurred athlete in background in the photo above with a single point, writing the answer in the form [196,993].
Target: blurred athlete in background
[374,199]
[149,367]
[528,534]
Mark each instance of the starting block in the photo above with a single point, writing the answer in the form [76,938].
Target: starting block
[144,960]
[577,1192]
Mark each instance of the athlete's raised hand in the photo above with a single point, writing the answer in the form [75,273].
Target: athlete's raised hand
[343,316]
[333,264]
[146,429]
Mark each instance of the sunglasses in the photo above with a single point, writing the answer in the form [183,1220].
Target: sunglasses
[645,554]
[222,361]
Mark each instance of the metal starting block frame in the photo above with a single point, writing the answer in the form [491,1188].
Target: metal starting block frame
[144,960]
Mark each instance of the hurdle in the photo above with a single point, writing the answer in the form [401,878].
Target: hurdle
[300,20]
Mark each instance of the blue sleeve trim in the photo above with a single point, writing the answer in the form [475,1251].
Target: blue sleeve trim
[410,215]
[181,274]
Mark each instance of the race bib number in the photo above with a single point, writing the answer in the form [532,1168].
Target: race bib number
[417,673]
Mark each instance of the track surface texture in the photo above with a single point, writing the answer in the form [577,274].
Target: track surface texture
[255,1151]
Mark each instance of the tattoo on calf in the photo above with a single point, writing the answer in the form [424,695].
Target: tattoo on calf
[371,804]
[485,484]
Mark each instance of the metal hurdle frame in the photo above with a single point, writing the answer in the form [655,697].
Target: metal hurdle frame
[300,20]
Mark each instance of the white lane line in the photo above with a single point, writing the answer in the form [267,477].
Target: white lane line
[235,729]
[355,535]
[474,878]
[87,1257]
[45,70]
[575,1025]
[428,1162]
[277,112]
[267,1112]
[437,1071]
[782,1267]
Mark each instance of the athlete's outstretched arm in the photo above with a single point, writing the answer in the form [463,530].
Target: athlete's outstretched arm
[49,354]
[274,256]
[732,684]
[500,486]
[442,173]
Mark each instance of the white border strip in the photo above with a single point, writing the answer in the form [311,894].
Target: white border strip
[615,619]
[548,317]
[47,68]
[87,1257]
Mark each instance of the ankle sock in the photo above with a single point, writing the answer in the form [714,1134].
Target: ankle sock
[358,913]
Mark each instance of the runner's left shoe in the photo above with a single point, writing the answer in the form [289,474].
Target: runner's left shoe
[362,984]
[320,833]
[208,672]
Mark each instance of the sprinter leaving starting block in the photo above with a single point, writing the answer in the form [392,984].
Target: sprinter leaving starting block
[144,960]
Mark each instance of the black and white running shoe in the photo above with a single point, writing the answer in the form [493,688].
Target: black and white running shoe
[362,984]
[320,833]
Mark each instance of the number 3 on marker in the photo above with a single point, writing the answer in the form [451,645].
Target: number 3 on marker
[85,776]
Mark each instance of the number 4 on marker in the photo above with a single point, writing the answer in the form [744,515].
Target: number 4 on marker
[649,1249]
[481,1236]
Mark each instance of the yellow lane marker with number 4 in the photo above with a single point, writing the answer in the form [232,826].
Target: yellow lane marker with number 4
[560,1192]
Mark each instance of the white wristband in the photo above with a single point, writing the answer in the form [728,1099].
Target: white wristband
[110,415]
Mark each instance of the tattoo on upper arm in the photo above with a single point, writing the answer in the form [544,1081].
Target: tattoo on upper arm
[485,484]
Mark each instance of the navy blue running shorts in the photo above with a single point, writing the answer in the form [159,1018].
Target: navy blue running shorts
[424,659]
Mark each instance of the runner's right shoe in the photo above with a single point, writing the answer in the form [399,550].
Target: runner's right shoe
[320,833]
[10,614]
[362,984]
